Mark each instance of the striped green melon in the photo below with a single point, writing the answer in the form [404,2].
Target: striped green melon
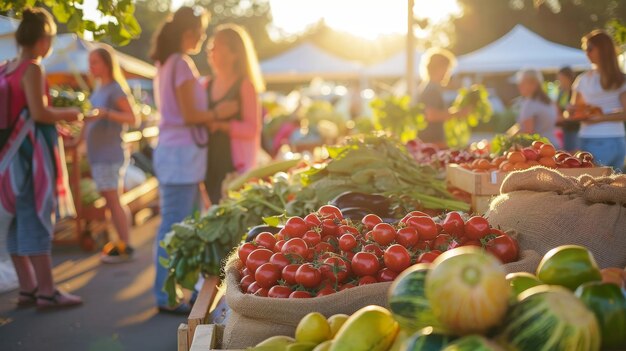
[428,339]
[473,343]
[407,299]
[550,318]
[522,281]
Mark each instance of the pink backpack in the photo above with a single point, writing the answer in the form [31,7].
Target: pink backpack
[5,98]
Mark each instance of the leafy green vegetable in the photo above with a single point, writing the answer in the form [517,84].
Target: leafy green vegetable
[502,142]
[395,115]
[458,130]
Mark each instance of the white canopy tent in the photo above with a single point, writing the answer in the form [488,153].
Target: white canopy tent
[395,66]
[305,62]
[521,48]
[71,55]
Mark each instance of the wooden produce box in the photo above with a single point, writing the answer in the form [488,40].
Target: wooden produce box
[484,186]
[488,183]
[208,337]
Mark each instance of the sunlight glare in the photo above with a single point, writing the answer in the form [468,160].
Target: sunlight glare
[365,18]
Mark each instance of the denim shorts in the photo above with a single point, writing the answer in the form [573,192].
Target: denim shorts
[607,151]
[108,176]
[27,235]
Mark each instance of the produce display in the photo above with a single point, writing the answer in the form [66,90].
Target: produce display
[370,165]
[470,305]
[539,154]
[324,253]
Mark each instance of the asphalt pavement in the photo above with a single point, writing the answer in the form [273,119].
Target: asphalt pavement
[118,313]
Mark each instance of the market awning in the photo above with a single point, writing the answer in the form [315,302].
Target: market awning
[395,66]
[307,61]
[521,48]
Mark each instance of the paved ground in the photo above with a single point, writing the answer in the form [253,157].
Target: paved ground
[118,313]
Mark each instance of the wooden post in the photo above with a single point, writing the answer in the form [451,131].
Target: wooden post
[203,303]
[410,50]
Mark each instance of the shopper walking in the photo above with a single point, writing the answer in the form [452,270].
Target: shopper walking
[538,114]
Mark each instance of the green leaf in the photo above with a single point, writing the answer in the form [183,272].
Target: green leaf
[274,221]
[164,261]
[62,11]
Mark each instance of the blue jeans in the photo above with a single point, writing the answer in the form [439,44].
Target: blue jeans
[607,151]
[177,202]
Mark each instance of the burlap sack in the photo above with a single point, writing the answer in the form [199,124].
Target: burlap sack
[548,209]
[254,319]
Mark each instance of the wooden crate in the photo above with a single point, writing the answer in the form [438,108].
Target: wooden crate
[480,203]
[202,307]
[489,183]
[208,337]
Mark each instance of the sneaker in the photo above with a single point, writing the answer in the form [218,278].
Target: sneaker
[116,253]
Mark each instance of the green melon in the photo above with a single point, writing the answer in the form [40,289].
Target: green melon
[607,302]
[473,343]
[550,318]
[428,339]
[407,300]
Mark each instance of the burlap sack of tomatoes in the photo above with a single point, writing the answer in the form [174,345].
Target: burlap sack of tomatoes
[548,209]
[254,319]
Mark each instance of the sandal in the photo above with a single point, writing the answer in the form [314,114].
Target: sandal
[182,309]
[54,301]
[27,299]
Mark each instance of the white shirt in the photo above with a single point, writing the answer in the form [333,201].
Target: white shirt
[588,85]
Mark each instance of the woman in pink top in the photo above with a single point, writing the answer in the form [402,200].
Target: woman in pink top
[234,143]
[180,156]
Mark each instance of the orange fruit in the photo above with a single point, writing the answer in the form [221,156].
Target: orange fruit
[548,162]
[537,144]
[483,164]
[520,165]
[506,166]
[515,157]
[532,163]
[547,150]
[498,160]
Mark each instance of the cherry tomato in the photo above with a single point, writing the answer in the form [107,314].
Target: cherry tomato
[245,272]
[504,248]
[373,248]
[386,275]
[295,246]
[413,214]
[477,228]
[261,292]
[368,279]
[365,263]
[397,258]
[312,220]
[454,243]
[289,274]
[384,234]
[245,250]
[308,276]
[299,294]
[346,286]
[370,221]
[329,227]
[310,254]
[369,236]
[245,282]
[423,245]
[407,237]
[312,238]
[348,255]
[267,275]
[470,242]
[279,291]
[347,229]
[441,242]
[325,291]
[257,258]
[453,224]
[279,236]
[335,269]
[323,247]
[279,245]
[426,227]
[347,242]
[330,211]
[428,257]
[265,240]
[280,260]
[332,240]
[253,288]
[295,227]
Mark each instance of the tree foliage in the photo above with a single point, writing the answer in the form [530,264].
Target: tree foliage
[119,24]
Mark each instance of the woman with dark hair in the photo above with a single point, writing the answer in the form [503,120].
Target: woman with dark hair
[113,112]
[537,114]
[566,77]
[31,165]
[181,155]
[234,143]
[603,87]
